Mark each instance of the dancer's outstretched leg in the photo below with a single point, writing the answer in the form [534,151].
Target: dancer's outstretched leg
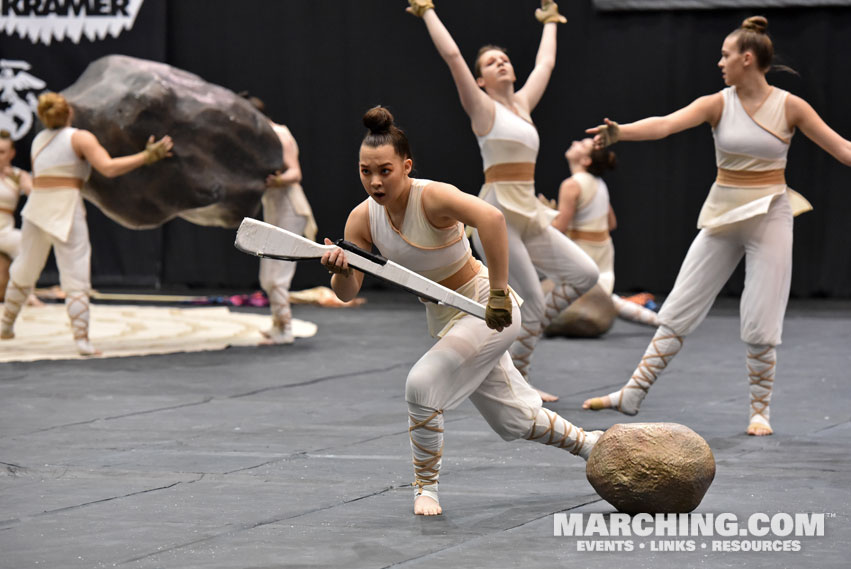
[16,296]
[550,428]
[663,347]
[425,427]
[635,312]
[762,361]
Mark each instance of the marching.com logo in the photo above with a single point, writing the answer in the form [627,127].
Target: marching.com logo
[46,20]
[759,532]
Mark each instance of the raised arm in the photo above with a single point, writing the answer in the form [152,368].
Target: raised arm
[706,109]
[291,174]
[477,105]
[531,93]
[568,195]
[800,114]
[85,144]
[345,281]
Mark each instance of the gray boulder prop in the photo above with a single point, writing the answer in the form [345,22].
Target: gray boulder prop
[651,468]
[591,315]
[223,147]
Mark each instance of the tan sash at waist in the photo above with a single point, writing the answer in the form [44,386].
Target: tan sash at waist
[51,182]
[511,172]
[9,211]
[748,179]
[463,275]
[598,236]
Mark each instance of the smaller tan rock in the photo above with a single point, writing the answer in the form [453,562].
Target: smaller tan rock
[651,467]
[591,315]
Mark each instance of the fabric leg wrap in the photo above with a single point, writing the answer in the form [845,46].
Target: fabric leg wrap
[663,347]
[761,362]
[16,296]
[425,427]
[552,429]
[279,305]
[635,312]
[77,306]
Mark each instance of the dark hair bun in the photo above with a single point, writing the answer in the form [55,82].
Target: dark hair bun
[378,120]
[756,23]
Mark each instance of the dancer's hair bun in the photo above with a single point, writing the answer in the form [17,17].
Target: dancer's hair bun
[378,120]
[756,23]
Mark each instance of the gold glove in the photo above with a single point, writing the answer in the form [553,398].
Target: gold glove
[498,310]
[609,133]
[155,151]
[420,7]
[549,13]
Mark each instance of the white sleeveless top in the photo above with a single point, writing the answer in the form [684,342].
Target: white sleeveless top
[592,211]
[433,252]
[52,209]
[10,191]
[750,143]
[510,139]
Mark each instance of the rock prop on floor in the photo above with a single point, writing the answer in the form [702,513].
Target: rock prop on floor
[223,147]
[591,315]
[651,468]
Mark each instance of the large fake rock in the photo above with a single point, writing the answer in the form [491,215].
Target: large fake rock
[651,467]
[223,147]
[591,315]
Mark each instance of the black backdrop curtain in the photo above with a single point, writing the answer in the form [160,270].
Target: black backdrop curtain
[320,64]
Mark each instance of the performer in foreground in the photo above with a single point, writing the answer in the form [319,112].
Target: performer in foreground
[501,120]
[586,216]
[284,205]
[54,215]
[748,213]
[420,225]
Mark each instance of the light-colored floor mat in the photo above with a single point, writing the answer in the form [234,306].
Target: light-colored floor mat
[44,333]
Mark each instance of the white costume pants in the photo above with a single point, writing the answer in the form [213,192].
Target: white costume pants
[73,257]
[10,238]
[765,242]
[471,360]
[276,275]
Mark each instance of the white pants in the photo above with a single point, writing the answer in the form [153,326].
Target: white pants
[10,238]
[471,360]
[73,257]
[278,211]
[765,242]
[547,251]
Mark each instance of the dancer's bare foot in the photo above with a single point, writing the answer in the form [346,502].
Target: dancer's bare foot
[759,430]
[546,397]
[85,348]
[597,403]
[425,506]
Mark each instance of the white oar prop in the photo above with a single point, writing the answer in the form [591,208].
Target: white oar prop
[264,240]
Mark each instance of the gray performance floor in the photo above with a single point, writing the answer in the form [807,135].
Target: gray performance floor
[299,457]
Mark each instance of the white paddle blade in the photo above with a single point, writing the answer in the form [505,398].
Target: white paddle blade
[265,240]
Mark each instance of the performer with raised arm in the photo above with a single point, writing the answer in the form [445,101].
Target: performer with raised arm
[501,120]
[420,224]
[284,205]
[586,216]
[54,216]
[748,213]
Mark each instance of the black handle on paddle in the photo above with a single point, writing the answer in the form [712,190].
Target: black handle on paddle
[349,246]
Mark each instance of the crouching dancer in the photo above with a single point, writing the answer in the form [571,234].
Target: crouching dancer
[420,224]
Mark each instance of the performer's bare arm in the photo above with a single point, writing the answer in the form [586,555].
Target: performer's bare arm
[445,204]
[800,114]
[530,94]
[345,281]
[291,173]
[612,220]
[477,104]
[568,196]
[25,182]
[87,146]
[706,109]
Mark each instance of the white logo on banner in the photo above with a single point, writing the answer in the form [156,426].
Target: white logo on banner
[46,20]
[18,103]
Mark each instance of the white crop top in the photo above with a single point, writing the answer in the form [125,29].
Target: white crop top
[433,252]
[54,155]
[511,139]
